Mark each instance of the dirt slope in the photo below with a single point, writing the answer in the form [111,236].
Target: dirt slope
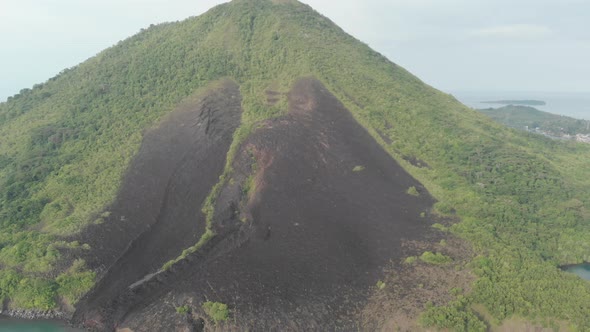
[157,214]
[316,235]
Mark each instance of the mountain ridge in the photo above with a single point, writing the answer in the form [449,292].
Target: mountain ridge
[70,141]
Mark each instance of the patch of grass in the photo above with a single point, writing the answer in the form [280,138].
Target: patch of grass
[183,309]
[216,311]
[381,285]
[209,205]
[358,168]
[456,291]
[75,282]
[410,260]
[413,191]
[31,293]
[440,227]
[208,235]
[456,316]
[249,185]
[435,258]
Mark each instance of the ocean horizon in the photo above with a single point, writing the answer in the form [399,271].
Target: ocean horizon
[572,104]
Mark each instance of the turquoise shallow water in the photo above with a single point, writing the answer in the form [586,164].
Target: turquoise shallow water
[6,326]
[582,270]
[18,325]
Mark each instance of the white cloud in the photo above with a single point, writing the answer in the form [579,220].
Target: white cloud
[514,31]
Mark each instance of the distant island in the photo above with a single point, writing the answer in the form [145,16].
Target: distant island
[517,102]
[536,121]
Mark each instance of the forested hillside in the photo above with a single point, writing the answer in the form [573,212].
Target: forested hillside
[530,118]
[523,201]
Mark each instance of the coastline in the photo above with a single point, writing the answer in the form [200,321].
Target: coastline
[575,104]
[581,270]
[569,266]
[54,318]
[35,314]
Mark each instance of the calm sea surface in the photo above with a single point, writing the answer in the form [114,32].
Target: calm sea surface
[575,105]
[582,270]
[8,324]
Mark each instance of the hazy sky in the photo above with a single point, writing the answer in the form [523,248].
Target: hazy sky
[454,45]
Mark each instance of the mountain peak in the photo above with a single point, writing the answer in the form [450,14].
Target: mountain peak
[257,162]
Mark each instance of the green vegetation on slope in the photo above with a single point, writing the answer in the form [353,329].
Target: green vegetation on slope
[435,258]
[216,311]
[457,316]
[523,200]
[521,117]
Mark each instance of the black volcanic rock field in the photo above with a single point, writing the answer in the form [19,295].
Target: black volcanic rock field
[328,210]
[256,168]
[157,214]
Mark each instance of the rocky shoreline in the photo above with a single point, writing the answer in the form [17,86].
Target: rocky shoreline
[58,318]
[36,314]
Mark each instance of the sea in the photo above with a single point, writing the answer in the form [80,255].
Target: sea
[582,270]
[572,104]
[8,324]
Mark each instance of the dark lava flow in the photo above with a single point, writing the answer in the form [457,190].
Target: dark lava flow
[157,213]
[317,232]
